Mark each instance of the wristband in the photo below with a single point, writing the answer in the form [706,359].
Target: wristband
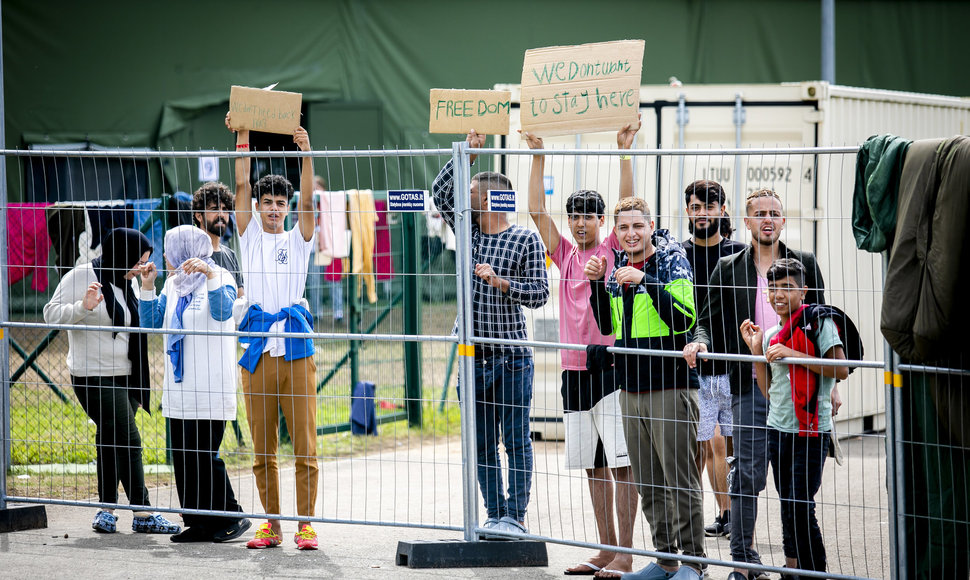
[625,157]
[242,146]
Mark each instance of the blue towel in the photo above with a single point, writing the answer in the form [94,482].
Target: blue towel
[298,319]
[175,342]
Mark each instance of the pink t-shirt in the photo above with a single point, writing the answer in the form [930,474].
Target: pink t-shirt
[764,315]
[576,322]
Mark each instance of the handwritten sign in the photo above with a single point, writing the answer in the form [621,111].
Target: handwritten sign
[407,200]
[459,110]
[501,200]
[264,110]
[581,89]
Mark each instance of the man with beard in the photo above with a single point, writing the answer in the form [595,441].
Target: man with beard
[737,291]
[211,205]
[707,245]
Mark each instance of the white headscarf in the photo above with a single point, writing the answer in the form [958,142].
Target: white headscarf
[182,243]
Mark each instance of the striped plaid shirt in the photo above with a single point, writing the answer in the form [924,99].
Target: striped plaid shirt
[516,254]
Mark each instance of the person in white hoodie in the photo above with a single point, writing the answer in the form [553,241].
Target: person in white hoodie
[199,386]
[109,370]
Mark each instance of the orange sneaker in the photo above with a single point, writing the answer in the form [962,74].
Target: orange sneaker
[306,538]
[265,538]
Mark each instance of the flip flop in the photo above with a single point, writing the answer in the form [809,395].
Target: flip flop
[593,569]
[615,573]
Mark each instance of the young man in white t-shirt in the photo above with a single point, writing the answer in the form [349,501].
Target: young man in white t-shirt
[277,372]
[593,421]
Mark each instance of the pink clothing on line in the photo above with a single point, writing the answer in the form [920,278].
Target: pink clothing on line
[383,259]
[28,244]
[576,322]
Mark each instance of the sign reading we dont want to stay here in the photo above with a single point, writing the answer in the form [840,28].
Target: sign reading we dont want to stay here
[264,110]
[581,89]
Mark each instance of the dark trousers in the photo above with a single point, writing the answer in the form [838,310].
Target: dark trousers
[118,443]
[796,464]
[200,475]
[750,437]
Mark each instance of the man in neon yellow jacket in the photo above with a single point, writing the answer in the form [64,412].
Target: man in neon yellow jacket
[647,302]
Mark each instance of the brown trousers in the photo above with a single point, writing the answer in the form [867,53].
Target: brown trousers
[290,386]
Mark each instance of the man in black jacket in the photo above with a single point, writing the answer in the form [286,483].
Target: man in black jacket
[737,292]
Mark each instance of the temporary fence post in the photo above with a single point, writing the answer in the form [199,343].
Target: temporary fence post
[466,350]
[894,457]
[4,306]
[413,395]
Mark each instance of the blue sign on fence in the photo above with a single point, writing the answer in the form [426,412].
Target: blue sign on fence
[407,200]
[501,200]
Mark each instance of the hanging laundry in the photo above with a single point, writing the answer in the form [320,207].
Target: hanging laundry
[336,212]
[383,257]
[106,217]
[324,250]
[28,244]
[363,222]
[65,222]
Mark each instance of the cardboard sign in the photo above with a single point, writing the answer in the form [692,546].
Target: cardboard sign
[407,200]
[264,110]
[501,200]
[581,89]
[459,110]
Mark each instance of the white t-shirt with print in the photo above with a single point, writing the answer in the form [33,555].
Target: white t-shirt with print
[275,267]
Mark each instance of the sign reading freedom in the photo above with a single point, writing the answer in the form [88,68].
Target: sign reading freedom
[459,110]
[264,110]
[581,89]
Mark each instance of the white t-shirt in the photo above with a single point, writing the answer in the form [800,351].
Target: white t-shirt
[90,353]
[209,369]
[275,267]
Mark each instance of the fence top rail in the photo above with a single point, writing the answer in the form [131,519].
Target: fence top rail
[141,153]
[677,354]
[852,149]
[312,335]
[147,154]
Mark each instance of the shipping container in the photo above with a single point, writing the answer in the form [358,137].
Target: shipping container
[816,191]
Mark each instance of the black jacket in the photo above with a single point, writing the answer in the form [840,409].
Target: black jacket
[731,299]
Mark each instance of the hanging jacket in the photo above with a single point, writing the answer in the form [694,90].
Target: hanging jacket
[658,313]
[922,311]
[879,165]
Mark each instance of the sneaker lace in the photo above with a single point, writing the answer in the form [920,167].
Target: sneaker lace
[265,531]
[307,533]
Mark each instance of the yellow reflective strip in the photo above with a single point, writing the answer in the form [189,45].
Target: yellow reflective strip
[887,378]
[898,381]
[466,350]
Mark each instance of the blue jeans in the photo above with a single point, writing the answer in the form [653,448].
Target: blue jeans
[796,464]
[750,411]
[503,395]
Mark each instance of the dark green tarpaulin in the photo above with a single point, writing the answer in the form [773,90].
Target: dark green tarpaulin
[126,74]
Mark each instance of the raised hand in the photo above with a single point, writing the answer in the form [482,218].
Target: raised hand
[92,296]
[148,273]
[302,139]
[753,336]
[193,265]
[626,135]
[595,268]
[534,141]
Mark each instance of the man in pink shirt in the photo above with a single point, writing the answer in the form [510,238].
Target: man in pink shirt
[593,421]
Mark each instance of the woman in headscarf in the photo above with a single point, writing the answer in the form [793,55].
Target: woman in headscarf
[109,369]
[199,390]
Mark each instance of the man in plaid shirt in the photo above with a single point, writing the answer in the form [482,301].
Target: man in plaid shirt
[510,272]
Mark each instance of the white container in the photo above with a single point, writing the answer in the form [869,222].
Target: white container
[816,190]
